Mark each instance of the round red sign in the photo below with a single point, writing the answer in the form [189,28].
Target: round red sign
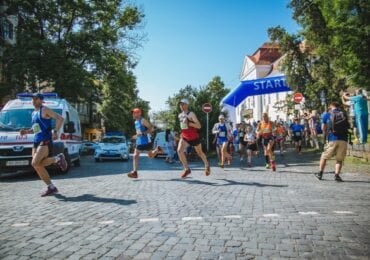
[298,97]
[207,108]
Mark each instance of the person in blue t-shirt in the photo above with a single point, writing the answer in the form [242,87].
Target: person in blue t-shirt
[361,113]
[297,131]
[337,143]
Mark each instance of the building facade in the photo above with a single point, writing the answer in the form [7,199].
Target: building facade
[264,62]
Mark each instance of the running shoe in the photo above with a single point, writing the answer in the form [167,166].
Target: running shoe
[49,192]
[221,165]
[61,161]
[207,171]
[133,175]
[267,166]
[185,173]
[338,178]
[273,166]
[318,176]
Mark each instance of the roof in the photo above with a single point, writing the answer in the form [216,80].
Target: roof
[266,54]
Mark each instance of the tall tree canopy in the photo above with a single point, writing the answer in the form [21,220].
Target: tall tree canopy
[331,52]
[70,45]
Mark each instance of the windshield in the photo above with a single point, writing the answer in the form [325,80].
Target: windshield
[16,119]
[114,140]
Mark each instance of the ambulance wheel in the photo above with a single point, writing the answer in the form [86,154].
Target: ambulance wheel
[69,162]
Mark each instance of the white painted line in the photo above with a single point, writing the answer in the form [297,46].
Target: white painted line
[308,213]
[343,212]
[191,218]
[149,219]
[273,215]
[233,216]
[64,223]
[20,224]
[106,222]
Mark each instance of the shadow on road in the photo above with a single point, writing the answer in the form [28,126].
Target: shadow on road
[93,198]
[227,183]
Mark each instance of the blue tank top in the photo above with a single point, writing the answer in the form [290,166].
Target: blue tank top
[222,135]
[41,127]
[140,129]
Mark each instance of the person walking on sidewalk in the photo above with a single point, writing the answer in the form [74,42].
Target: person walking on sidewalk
[222,132]
[266,130]
[190,126]
[43,142]
[336,125]
[143,130]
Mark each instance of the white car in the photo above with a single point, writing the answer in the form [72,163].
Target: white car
[112,148]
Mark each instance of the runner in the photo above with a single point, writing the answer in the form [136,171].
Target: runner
[312,121]
[43,142]
[265,130]
[242,144]
[190,125]
[251,144]
[297,131]
[223,132]
[143,130]
[336,124]
[280,136]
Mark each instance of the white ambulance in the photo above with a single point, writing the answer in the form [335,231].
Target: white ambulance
[16,150]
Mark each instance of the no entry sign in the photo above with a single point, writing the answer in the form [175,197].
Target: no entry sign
[298,97]
[207,108]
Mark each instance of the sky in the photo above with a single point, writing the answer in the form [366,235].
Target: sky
[191,41]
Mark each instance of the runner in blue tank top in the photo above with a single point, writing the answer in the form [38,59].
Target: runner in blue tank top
[223,133]
[43,141]
[143,129]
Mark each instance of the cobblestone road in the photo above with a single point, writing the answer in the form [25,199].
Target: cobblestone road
[236,213]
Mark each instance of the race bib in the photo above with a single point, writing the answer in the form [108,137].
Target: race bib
[222,134]
[138,132]
[36,128]
[297,133]
[241,134]
[266,131]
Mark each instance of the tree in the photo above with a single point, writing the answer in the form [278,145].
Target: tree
[68,44]
[331,51]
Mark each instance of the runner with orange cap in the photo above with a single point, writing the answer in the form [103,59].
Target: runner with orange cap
[143,128]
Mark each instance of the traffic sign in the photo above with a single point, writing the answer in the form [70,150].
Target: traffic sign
[207,108]
[298,97]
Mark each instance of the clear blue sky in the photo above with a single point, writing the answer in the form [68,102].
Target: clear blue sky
[191,41]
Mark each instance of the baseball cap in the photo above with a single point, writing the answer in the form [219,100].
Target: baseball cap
[221,117]
[184,101]
[38,95]
[136,110]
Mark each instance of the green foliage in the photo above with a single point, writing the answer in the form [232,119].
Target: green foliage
[212,93]
[331,52]
[69,45]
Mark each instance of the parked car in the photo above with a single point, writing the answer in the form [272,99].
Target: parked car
[16,149]
[113,148]
[88,147]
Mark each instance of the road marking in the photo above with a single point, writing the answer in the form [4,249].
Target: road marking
[233,216]
[343,212]
[273,215]
[149,219]
[20,224]
[191,218]
[64,223]
[106,222]
[308,213]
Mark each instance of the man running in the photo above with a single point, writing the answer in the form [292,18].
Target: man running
[143,130]
[223,133]
[266,130]
[297,131]
[190,125]
[43,142]
[280,136]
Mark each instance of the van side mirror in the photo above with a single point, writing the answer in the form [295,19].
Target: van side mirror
[69,128]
